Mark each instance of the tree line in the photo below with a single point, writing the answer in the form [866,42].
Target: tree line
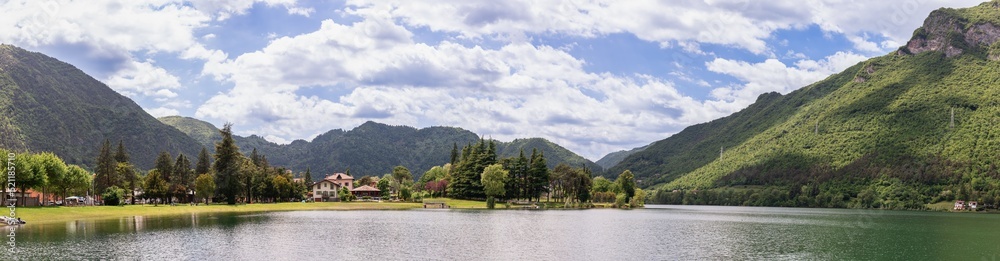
[47,173]
[231,177]
[478,173]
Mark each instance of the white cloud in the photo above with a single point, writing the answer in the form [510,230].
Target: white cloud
[162,112]
[656,21]
[741,23]
[774,76]
[518,90]
[144,79]
[515,90]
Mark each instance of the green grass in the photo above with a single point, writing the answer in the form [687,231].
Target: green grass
[458,203]
[941,206]
[63,214]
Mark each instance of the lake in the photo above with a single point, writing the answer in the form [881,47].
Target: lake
[654,233]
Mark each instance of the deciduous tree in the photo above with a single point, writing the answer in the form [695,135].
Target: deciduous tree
[204,187]
[493,178]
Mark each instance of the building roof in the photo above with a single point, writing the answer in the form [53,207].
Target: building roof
[326,180]
[339,176]
[365,188]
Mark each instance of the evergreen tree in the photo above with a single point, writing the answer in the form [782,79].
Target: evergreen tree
[538,175]
[454,153]
[120,155]
[130,177]
[308,179]
[227,165]
[491,152]
[517,168]
[204,162]
[154,186]
[466,181]
[105,171]
[165,167]
[182,177]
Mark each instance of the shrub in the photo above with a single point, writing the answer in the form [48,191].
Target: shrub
[113,196]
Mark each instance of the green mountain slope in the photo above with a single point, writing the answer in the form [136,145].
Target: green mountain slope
[374,148]
[553,152]
[203,132]
[881,131]
[48,105]
[612,159]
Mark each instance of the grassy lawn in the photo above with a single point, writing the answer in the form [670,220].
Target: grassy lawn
[63,214]
[459,203]
[941,206]
[473,204]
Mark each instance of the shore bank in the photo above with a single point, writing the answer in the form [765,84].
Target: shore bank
[34,215]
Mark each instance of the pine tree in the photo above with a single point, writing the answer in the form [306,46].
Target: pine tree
[227,166]
[182,177]
[204,163]
[165,167]
[105,175]
[130,178]
[308,179]
[538,175]
[454,153]
[120,155]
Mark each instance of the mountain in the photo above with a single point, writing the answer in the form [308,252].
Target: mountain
[49,105]
[919,125]
[554,153]
[614,158]
[203,132]
[374,148]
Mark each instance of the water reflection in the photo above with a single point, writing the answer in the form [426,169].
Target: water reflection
[656,233]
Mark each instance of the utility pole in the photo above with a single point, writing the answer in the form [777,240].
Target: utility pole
[817,128]
[721,149]
[952,118]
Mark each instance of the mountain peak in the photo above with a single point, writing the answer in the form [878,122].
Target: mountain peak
[958,31]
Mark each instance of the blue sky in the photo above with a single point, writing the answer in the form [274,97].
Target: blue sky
[595,76]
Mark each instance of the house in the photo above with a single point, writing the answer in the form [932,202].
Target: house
[366,191]
[973,205]
[959,205]
[326,189]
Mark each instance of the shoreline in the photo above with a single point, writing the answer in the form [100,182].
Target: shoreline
[43,215]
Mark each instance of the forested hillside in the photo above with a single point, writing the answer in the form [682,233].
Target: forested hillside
[375,148]
[50,106]
[917,126]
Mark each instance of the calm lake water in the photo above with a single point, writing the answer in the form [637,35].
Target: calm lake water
[654,233]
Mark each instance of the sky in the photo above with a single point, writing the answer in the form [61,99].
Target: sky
[595,76]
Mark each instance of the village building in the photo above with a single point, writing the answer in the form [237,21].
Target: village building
[328,188]
[366,191]
[959,205]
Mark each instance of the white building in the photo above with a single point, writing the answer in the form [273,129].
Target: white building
[326,189]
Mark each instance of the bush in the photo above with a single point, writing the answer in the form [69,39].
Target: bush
[639,200]
[113,196]
[405,193]
[621,200]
